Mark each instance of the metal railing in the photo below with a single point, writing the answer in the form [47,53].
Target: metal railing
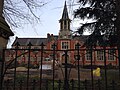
[59,77]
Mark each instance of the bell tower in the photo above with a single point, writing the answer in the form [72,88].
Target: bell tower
[65,32]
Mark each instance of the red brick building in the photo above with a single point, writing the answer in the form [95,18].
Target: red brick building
[64,41]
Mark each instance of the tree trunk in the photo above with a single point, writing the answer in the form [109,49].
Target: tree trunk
[1,7]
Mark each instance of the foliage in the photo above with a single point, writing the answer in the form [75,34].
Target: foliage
[105,14]
[21,77]
[17,12]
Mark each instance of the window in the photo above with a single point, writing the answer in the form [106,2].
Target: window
[111,54]
[88,55]
[53,46]
[77,46]
[35,47]
[65,45]
[100,55]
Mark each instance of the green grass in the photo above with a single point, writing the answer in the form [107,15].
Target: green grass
[112,74]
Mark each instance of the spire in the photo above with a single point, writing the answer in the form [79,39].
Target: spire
[65,12]
[65,32]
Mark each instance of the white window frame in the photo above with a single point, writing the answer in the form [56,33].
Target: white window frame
[87,55]
[111,55]
[65,46]
[100,55]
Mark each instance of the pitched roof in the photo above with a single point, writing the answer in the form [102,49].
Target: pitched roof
[81,38]
[38,41]
[33,41]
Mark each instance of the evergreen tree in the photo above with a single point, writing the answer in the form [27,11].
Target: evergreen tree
[105,14]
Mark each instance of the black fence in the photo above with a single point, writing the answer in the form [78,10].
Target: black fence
[58,75]
[59,85]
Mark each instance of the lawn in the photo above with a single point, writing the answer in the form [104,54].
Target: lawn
[85,79]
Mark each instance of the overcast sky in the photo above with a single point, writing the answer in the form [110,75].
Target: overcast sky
[50,16]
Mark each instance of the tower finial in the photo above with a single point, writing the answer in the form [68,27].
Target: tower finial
[65,12]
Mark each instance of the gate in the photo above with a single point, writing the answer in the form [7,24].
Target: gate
[43,69]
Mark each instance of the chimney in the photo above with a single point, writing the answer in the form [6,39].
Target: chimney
[48,35]
[52,35]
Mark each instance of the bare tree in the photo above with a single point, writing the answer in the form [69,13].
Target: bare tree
[17,12]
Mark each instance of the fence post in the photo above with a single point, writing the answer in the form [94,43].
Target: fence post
[29,52]
[78,58]
[72,83]
[91,61]
[85,84]
[47,85]
[66,86]
[105,66]
[2,69]
[99,84]
[21,84]
[113,85]
[33,86]
[8,84]
[16,51]
[59,84]
[42,48]
[119,60]
[54,47]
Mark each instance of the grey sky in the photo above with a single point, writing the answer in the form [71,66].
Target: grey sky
[50,15]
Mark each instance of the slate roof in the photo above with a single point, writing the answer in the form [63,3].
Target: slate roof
[82,38]
[34,41]
[38,41]
[65,12]
[55,37]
